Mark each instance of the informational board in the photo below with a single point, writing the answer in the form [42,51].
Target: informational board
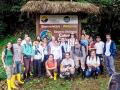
[60,26]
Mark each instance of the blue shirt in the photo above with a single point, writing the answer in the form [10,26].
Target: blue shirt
[27,49]
[84,42]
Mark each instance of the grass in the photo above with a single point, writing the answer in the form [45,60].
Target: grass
[59,84]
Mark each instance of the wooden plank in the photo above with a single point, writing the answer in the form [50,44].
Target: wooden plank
[37,24]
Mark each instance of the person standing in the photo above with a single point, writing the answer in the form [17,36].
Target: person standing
[79,55]
[99,46]
[110,52]
[84,42]
[57,52]
[18,59]
[8,63]
[46,54]
[38,57]
[64,47]
[27,58]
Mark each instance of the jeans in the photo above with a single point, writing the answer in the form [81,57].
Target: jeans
[110,65]
[101,62]
[17,69]
[89,72]
[37,67]
[43,65]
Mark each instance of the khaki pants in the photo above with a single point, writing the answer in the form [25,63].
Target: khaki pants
[79,60]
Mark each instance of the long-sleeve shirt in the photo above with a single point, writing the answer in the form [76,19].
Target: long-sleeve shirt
[57,52]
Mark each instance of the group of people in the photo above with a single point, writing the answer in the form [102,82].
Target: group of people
[65,58]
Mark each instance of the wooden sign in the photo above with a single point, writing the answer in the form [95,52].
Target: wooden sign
[60,26]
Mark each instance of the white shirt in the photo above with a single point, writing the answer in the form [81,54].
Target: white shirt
[107,52]
[57,52]
[99,46]
[93,61]
[40,54]
[68,62]
[66,47]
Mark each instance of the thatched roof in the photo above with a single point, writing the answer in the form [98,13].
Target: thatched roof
[59,7]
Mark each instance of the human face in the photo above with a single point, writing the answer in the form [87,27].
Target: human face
[98,39]
[91,39]
[67,56]
[51,57]
[19,41]
[9,45]
[83,32]
[82,37]
[27,39]
[108,37]
[72,36]
[93,54]
[26,35]
[45,40]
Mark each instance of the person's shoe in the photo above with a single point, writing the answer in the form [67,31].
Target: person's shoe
[9,84]
[13,82]
[19,79]
[83,74]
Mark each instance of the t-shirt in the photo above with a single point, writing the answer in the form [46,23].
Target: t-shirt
[84,42]
[66,62]
[51,64]
[8,57]
[17,52]
[99,46]
[107,52]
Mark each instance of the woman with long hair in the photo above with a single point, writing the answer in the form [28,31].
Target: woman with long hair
[8,62]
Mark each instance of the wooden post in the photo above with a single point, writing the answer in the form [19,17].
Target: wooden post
[79,27]
[37,24]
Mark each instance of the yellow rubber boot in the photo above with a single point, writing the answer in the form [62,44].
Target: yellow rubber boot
[9,84]
[13,82]
[55,76]
[19,79]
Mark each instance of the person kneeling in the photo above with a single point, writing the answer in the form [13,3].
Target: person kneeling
[51,67]
[93,63]
[67,67]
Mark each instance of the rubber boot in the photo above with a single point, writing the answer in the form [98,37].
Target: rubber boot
[19,78]
[9,84]
[55,76]
[13,82]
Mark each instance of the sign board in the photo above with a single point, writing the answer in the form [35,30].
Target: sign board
[60,26]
